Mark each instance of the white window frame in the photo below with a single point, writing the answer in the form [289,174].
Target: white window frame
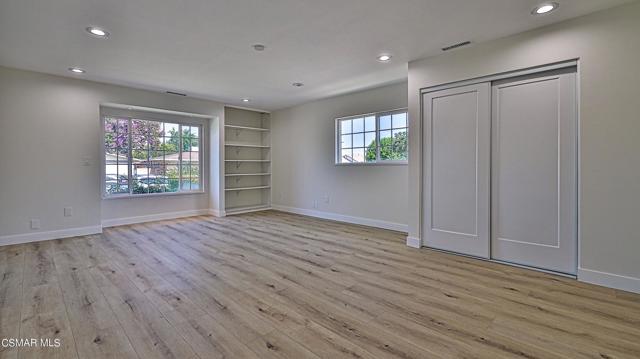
[180,122]
[378,161]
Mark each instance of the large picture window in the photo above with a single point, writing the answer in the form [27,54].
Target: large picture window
[148,157]
[373,138]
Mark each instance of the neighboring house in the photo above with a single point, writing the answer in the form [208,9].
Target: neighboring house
[116,164]
[159,165]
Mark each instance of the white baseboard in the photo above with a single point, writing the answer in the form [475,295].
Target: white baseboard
[617,281]
[48,235]
[414,242]
[154,217]
[216,212]
[344,218]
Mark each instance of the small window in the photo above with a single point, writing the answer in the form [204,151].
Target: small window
[373,138]
[149,157]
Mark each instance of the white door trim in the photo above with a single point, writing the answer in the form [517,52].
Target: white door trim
[501,76]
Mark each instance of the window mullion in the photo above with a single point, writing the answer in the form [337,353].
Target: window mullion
[179,157]
[130,155]
[377,137]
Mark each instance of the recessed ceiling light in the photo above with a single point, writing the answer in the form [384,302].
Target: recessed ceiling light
[259,47]
[76,70]
[245,100]
[384,58]
[545,8]
[98,32]
[297,84]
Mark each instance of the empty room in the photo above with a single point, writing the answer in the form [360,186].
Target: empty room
[319,179]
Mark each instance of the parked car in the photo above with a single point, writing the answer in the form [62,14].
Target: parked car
[152,182]
[116,183]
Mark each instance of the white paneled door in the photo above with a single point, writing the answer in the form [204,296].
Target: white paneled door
[534,176]
[456,160]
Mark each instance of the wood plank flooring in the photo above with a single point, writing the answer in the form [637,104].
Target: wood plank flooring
[277,285]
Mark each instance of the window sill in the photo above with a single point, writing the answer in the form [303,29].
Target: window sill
[386,163]
[150,195]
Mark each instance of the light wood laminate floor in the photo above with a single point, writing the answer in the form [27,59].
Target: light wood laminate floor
[277,285]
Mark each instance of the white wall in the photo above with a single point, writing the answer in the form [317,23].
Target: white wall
[608,47]
[303,155]
[48,125]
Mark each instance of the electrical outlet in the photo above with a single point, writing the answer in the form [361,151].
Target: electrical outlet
[315,203]
[325,198]
[68,211]
[35,224]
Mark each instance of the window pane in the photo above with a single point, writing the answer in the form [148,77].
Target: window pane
[358,154]
[358,140]
[370,155]
[186,172]
[186,184]
[370,139]
[195,176]
[370,123]
[188,141]
[172,184]
[400,152]
[346,155]
[195,131]
[115,182]
[358,125]
[400,134]
[386,143]
[384,135]
[385,122]
[140,184]
[345,141]
[116,133]
[116,138]
[400,120]
[386,152]
[345,126]
[173,176]
[400,145]
[170,146]
[110,125]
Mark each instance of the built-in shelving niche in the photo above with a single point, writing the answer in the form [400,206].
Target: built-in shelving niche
[247,165]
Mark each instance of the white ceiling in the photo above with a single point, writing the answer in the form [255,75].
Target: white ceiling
[204,47]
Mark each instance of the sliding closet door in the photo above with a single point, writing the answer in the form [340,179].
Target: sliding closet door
[456,169]
[534,182]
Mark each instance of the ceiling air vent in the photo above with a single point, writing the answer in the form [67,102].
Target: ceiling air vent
[455,46]
[176,93]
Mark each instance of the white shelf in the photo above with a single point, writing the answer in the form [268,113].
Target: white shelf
[247,160]
[245,145]
[247,128]
[245,209]
[246,188]
[246,174]
[247,132]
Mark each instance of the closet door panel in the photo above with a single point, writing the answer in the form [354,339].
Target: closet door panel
[534,172]
[456,178]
